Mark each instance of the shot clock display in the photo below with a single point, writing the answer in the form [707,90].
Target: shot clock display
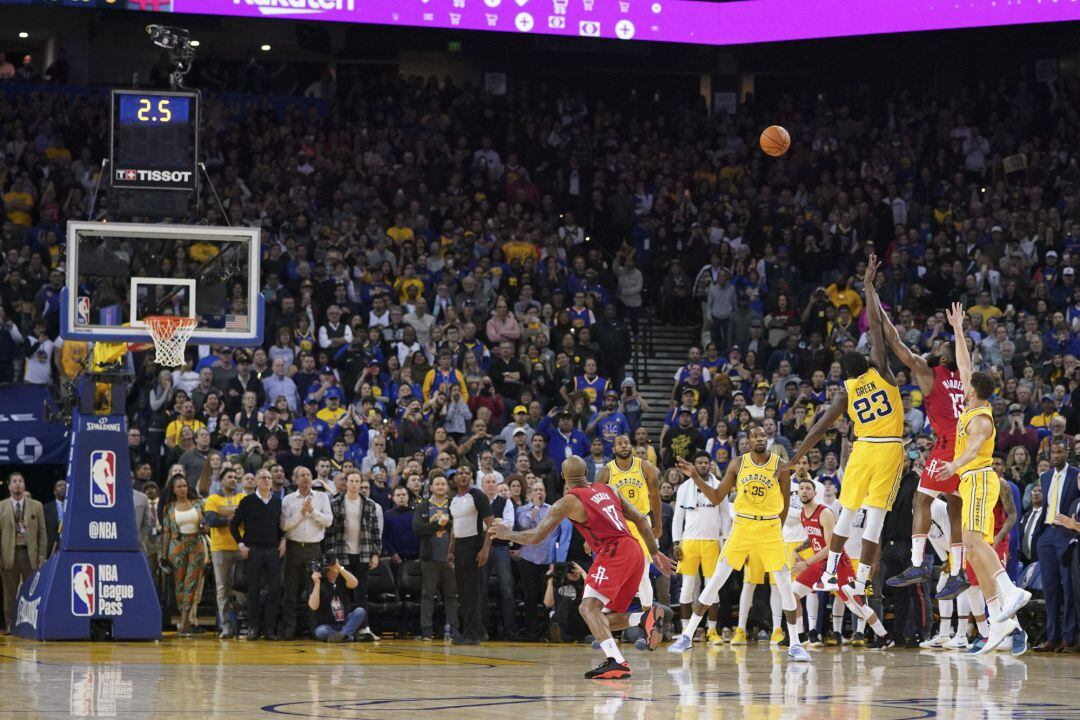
[155,140]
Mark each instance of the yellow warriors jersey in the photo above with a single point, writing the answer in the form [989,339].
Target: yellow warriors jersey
[757,491]
[985,457]
[874,406]
[630,484]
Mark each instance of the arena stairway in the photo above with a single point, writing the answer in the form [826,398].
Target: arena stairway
[661,357]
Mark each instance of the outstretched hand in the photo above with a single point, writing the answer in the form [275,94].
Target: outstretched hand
[955,316]
[687,468]
[664,564]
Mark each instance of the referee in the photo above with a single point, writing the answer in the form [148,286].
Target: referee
[472,516]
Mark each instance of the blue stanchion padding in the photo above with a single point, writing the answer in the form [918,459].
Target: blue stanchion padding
[98,572]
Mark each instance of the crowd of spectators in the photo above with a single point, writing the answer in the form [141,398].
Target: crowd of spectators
[454,282]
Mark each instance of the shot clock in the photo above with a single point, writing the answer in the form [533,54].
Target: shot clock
[155,140]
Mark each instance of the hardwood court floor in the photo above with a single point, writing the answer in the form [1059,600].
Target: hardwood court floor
[406,680]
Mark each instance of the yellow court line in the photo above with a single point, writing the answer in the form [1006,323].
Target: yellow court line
[173,651]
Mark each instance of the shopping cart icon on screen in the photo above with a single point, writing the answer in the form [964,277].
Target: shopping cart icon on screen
[560,6]
[588,4]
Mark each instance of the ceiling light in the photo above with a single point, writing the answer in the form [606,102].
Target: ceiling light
[195,43]
[24,35]
[265,47]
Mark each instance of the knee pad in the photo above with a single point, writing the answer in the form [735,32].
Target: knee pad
[875,521]
[843,523]
[783,585]
[689,589]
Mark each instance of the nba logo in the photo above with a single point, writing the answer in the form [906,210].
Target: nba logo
[82,311]
[102,479]
[83,597]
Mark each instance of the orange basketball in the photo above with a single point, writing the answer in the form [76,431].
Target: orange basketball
[775,141]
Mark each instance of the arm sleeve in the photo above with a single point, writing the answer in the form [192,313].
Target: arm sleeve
[679,518]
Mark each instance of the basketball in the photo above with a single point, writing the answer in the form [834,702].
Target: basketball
[775,141]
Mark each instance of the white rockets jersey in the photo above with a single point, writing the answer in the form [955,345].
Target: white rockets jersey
[793,527]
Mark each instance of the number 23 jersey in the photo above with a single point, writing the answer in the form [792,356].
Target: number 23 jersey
[874,406]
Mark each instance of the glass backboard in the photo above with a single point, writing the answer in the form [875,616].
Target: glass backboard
[120,273]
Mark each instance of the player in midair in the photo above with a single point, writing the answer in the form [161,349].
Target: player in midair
[761,504]
[979,490]
[872,477]
[943,401]
[603,518]
[638,481]
[819,521]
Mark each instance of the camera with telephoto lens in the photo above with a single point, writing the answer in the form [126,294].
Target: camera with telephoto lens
[321,566]
[559,573]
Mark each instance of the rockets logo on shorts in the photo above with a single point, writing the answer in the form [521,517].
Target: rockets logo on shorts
[102,479]
[600,575]
[83,596]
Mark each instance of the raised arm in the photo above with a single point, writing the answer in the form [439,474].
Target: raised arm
[826,421]
[924,375]
[715,495]
[879,353]
[955,315]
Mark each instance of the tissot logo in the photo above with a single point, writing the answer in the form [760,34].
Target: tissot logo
[158,176]
[297,7]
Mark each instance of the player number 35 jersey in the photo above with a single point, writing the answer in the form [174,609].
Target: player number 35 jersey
[757,491]
[874,406]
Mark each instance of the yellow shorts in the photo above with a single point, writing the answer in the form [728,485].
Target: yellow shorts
[644,547]
[699,554]
[979,491]
[757,544]
[872,475]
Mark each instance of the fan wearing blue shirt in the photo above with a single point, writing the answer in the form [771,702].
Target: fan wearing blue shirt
[591,383]
[563,440]
[608,423]
[310,419]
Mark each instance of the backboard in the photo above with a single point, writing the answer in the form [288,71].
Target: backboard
[120,273]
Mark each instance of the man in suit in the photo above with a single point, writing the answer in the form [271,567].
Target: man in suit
[1031,526]
[22,542]
[54,514]
[1060,491]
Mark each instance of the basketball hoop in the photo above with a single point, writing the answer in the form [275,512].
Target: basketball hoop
[170,335]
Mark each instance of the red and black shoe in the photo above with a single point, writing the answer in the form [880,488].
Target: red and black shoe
[653,625]
[610,669]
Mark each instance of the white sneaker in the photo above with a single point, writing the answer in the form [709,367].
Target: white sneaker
[1012,605]
[958,642]
[998,632]
[936,643]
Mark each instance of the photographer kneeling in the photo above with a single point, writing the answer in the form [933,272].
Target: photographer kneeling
[565,588]
[331,584]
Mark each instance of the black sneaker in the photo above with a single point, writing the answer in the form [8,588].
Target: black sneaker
[910,576]
[814,640]
[609,670]
[252,635]
[462,640]
[858,640]
[955,585]
[832,639]
[337,637]
[884,642]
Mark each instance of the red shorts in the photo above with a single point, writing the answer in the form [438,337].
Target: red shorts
[616,572]
[1002,551]
[927,481]
[813,573]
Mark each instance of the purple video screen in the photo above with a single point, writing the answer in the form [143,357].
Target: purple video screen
[707,22]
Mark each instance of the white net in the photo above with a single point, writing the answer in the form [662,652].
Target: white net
[170,335]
